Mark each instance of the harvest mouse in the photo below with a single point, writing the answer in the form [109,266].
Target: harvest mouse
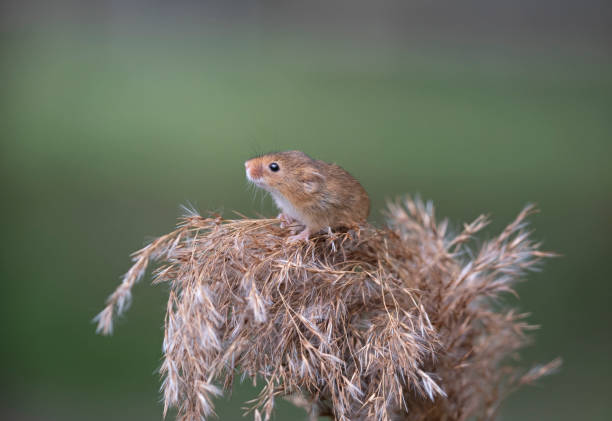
[316,194]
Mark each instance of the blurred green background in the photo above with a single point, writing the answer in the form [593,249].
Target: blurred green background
[114,114]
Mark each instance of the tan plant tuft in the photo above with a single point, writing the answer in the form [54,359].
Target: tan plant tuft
[397,323]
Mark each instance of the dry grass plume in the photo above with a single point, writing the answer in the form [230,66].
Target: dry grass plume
[398,323]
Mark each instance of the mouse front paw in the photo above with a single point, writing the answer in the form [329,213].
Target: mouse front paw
[302,236]
[285,220]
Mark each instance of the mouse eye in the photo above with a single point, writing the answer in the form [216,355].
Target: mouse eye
[274,167]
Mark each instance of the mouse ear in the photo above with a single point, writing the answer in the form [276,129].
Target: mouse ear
[313,182]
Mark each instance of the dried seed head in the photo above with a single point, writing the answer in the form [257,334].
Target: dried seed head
[384,324]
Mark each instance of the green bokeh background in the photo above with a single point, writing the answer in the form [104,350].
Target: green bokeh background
[104,135]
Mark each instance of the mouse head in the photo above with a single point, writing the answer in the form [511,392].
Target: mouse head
[290,173]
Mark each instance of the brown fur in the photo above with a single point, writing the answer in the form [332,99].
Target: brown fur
[321,195]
